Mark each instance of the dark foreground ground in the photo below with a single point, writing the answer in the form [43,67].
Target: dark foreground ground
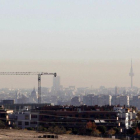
[25,134]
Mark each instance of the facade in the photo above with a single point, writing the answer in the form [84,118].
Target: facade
[19,107]
[88,99]
[125,116]
[25,119]
[136,101]
[124,100]
[8,102]
[4,116]
[76,117]
[73,116]
[97,100]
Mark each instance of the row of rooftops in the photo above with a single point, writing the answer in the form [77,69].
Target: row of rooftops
[85,108]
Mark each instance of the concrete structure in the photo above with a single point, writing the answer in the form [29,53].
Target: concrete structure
[77,117]
[19,107]
[10,102]
[26,118]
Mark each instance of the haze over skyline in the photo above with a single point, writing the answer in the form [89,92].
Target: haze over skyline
[85,42]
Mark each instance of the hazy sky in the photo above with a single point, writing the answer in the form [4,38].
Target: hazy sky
[87,42]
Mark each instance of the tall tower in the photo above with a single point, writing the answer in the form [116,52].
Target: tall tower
[131,74]
[56,84]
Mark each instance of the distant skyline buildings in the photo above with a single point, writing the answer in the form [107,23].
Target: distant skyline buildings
[103,73]
[56,84]
[86,47]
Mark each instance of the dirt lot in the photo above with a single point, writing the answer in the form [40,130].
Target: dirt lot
[25,134]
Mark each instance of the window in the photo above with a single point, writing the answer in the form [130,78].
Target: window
[20,123]
[33,122]
[91,116]
[33,116]
[47,117]
[76,115]
[102,115]
[26,123]
[83,116]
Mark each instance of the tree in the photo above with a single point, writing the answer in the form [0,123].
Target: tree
[91,125]
[59,130]
[40,128]
[138,115]
[95,132]
[75,131]
[14,126]
[102,129]
[131,131]
[2,125]
[82,131]
[117,130]
[137,131]
[50,129]
[138,125]
[111,132]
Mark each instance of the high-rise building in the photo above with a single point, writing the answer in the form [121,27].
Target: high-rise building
[124,100]
[116,91]
[131,74]
[56,84]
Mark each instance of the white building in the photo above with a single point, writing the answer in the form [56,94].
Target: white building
[107,99]
[25,119]
[125,115]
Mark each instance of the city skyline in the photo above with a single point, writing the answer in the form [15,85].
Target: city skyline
[90,47]
[113,79]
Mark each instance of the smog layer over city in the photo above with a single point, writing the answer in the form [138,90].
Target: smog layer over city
[70,69]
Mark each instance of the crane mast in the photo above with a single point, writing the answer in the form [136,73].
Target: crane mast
[31,73]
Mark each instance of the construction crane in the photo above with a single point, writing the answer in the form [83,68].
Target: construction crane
[31,73]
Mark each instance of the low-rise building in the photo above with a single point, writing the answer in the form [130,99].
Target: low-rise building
[25,118]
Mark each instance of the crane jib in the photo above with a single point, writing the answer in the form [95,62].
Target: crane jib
[31,73]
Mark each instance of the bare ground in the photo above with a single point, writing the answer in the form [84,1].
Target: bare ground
[28,135]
